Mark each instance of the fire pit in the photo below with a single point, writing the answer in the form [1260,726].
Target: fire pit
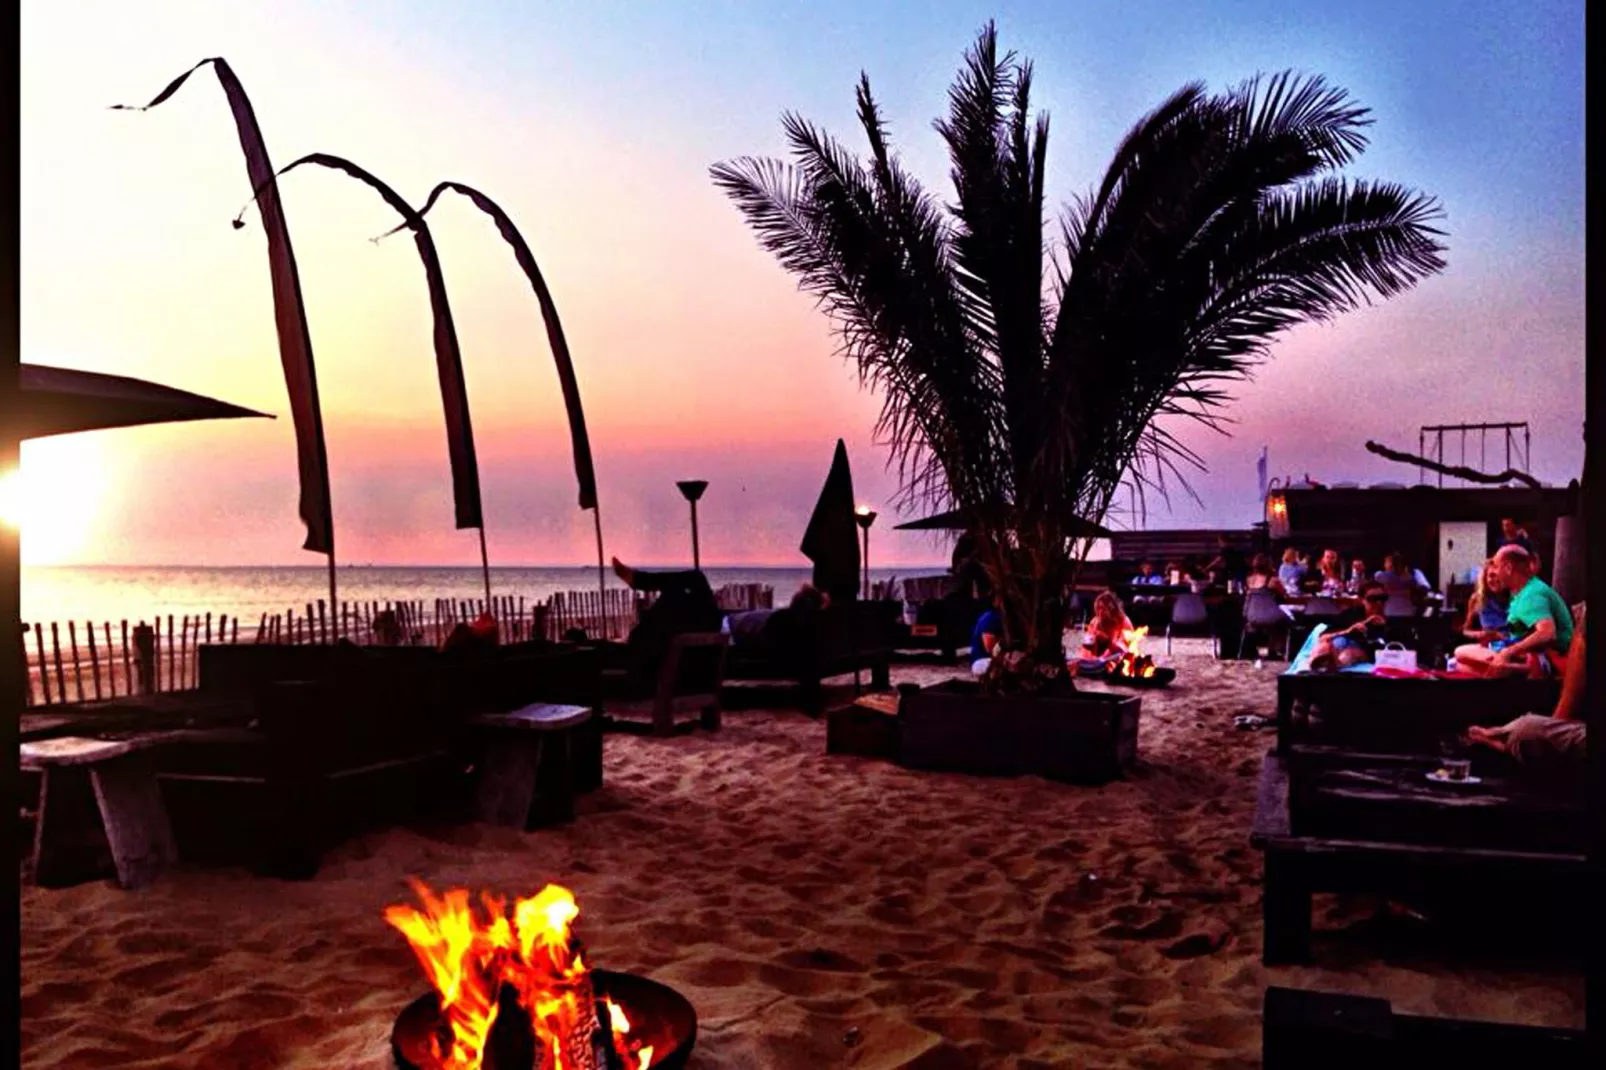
[662,1017]
[1137,669]
[513,992]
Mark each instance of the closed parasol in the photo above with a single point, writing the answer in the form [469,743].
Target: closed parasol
[60,401]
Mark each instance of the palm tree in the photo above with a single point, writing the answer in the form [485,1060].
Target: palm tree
[1023,383]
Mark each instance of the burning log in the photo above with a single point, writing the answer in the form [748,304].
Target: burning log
[514,981]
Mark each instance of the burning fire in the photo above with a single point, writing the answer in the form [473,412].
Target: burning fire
[1134,663]
[470,955]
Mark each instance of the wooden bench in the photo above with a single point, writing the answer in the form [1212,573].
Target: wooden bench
[689,680]
[1364,836]
[97,795]
[1325,1031]
[523,781]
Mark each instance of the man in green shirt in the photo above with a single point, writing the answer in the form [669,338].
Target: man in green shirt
[1540,622]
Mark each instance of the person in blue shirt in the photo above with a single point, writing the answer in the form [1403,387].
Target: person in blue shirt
[1486,609]
[1147,576]
[984,639]
[1398,577]
[1292,571]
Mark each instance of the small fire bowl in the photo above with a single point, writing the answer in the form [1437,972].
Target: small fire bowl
[1162,678]
[658,1015]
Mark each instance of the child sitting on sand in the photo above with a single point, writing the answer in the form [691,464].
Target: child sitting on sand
[1104,638]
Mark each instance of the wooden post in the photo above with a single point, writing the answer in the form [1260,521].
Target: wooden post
[182,678]
[236,631]
[94,658]
[61,679]
[262,628]
[323,623]
[128,663]
[44,672]
[172,652]
[144,656]
[77,670]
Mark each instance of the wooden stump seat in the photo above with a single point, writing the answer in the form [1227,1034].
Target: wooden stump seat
[97,796]
[523,782]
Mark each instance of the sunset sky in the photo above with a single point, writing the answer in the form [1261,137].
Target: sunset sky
[594,124]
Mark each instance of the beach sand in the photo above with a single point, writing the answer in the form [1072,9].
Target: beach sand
[818,911]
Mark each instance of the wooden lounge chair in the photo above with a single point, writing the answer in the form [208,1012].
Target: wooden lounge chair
[689,680]
[1337,821]
[1325,1031]
[809,647]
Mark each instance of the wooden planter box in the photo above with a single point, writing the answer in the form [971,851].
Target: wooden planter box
[1084,738]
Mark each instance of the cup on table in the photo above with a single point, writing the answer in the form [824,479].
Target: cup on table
[1457,768]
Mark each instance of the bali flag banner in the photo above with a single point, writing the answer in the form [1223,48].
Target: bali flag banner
[448,357]
[585,473]
[290,317]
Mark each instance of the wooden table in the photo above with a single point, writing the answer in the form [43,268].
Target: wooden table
[1336,821]
[97,795]
[522,781]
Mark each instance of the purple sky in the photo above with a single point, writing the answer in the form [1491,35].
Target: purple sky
[594,124]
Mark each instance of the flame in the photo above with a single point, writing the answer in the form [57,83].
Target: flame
[1135,662]
[469,956]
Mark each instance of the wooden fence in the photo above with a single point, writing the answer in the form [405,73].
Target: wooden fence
[73,662]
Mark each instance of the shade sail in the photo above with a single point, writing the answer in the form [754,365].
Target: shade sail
[832,538]
[60,401]
[954,520]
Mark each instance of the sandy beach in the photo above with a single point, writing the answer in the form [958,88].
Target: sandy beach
[818,911]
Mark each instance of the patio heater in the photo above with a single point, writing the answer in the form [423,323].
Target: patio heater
[691,490]
[864,516]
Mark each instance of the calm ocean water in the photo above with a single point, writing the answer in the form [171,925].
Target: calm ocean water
[107,593]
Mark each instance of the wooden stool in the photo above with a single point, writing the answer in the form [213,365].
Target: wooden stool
[69,838]
[523,782]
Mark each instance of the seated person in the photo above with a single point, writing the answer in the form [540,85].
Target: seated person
[685,603]
[1104,638]
[1486,609]
[1292,571]
[1358,578]
[1330,575]
[748,626]
[1147,577]
[1534,739]
[1541,625]
[1261,577]
[984,639]
[386,628]
[1340,648]
[1398,577]
[479,634]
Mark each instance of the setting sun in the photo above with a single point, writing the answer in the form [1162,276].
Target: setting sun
[54,498]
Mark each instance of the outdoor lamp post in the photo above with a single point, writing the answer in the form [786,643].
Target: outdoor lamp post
[691,490]
[864,516]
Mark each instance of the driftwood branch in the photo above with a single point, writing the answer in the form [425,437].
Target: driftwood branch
[1458,471]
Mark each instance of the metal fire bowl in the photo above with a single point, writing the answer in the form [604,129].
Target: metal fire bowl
[658,1014]
[1162,678]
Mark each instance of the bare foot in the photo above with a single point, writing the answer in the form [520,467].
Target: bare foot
[624,572]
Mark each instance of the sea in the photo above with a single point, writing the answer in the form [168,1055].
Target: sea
[101,594]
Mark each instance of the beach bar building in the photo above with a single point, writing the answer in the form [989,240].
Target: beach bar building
[1447,532]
